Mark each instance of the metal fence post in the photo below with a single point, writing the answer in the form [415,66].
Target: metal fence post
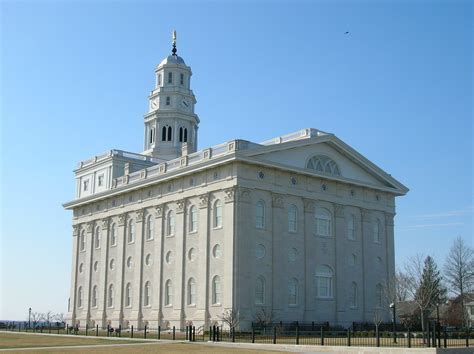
[186,333]
[108,330]
[131,333]
[120,330]
[297,333]
[87,329]
[438,333]
[274,335]
[144,334]
[377,334]
[50,328]
[409,338]
[433,335]
[253,335]
[194,333]
[213,333]
[429,335]
[159,332]
[348,337]
[174,332]
[445,337]
[233,334]
[96,330]
[467,336]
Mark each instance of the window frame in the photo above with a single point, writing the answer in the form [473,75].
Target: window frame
[217,214]
[131,231]
[216,290]
[170,223]
[293,285]
[322,274]
[193,220]
[323,215]
[191,298]
[169,293]
[293,213]
[351,228]
[260,290]
[147,294]
[260,214]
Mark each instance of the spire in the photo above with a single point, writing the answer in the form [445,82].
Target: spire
[174,43]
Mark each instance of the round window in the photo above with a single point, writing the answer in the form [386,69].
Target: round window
[217,251]
[192,254]
[260,251]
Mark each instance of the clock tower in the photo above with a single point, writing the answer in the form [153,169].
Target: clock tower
[171,122]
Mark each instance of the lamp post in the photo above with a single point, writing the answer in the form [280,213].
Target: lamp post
[29,317]
[392,306]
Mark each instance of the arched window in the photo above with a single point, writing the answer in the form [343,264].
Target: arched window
[260,215]
[150,226]
[110,297]
[191,291]
[128,295]
[97,237]
[218,213]
[82,241]
[170,223]
[163,134]
[170,77]
[147,294]
[131,230]
[292,291]
[168,293]
[351,228]
[292,218]
[323,164]
[94,296]
[216,290]
[79,297]
[376,230]
[185,135]
[378,295]
[324,281]
[180,134]
[323,222]
[170,133]
[193,219]
[260,290]
[152,135]
[353,295]
[113,234]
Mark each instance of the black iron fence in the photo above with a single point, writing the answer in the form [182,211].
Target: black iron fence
[306,333]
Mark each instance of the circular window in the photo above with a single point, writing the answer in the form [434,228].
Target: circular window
[80,268]
[324,187]
[192,254]
[293,180]
[260,251]
[261,175]
[129,262]
[169,257]
[217,251]
[148,259]
[112,264]
[96,266]
[292,254]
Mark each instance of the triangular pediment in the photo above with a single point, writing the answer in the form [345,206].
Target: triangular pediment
[351,166]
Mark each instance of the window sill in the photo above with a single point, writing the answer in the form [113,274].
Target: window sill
[169,306]
[293,305]
[172,235]
[217,227]
[293,232]
[191,305]
[149,239]
[131,242]
[192,232]
[216,305]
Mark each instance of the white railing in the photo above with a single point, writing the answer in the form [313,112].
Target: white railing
[300,134]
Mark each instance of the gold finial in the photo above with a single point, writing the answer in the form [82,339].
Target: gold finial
[174,43]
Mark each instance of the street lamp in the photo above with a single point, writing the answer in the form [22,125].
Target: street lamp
[392,306]
[29,317]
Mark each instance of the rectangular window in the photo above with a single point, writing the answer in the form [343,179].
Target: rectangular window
[86,185]
[170,78]
[324,287]
[322,227]
[168,100]
[181,79]
[159,79]
[100,180]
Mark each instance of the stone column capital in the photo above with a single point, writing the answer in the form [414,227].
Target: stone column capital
[277,200]
[159,211]
[105,223]
[180,204]
[75,230]
[308,205]
[140,214]
[90,226]
[366,215]
[244,194]
[339,210]
[229,194]
[203,200]
[121,219]
[389,219]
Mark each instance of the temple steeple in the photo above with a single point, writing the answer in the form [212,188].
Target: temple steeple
[171,122]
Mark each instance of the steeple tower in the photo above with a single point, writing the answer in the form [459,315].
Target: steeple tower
[171,123]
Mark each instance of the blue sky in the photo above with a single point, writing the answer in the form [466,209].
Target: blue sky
[75,78]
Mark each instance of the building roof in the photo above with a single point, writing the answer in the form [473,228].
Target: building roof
[172,59]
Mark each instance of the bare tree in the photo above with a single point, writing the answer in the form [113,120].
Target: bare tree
[401,292]
[59,317]
[48,317]
[378,318]
[459,271]
[36,318]
[263,317]
[230,317]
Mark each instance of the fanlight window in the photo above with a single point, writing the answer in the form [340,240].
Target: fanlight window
[324,164]
[168,293]
[216,290]
[260,291]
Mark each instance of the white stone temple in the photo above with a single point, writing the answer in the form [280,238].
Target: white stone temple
[300,225]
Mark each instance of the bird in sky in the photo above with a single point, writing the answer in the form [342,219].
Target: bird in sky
[347,32]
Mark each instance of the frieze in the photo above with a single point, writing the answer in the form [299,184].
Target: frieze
[140,214]
[105,223]
[203,200]
[339,210]
[308,205]
[180,204]
[121,219]
[159,211]
[229,194]
[90,226]
[366,215]
[277,200]
[389,219]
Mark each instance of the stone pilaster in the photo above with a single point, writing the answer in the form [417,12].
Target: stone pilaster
[204,254]
[117,316]
[276,223]
[308,219]
[137,283]
[180,259]
[390,245]
[366,239]
[157,258]
[340,280]
[103,271]
[72,312]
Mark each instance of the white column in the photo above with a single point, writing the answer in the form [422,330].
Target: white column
[157,259]
[179,281]
[278,287]
[366,239]
[137,286]
[308,219]
[204,249]
[71,316]
[102,296]
[117,316]
[88,271]
[339,260]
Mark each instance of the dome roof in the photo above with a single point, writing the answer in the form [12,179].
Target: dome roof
[172,59]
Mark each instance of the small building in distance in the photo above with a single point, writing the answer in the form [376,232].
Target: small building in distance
[301,225]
